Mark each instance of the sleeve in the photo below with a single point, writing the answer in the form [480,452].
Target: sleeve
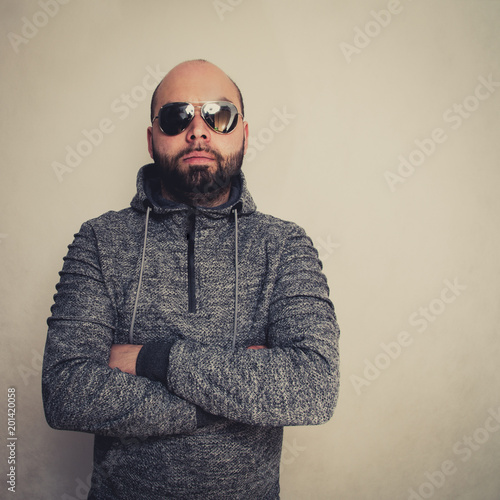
[80,391]
[293,382]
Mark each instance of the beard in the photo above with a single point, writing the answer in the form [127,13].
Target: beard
[197,185]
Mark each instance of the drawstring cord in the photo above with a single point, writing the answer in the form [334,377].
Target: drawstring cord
[131,331]
[235,330]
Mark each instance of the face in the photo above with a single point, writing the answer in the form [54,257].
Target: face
[197,165]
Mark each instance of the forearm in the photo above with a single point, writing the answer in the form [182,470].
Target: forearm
[82,393]
[276,386]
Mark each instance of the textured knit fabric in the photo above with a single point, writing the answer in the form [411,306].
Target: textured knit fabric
[208,424]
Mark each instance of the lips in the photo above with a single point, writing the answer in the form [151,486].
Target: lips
[198,156]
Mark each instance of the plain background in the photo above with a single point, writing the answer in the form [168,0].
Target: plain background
[353,104]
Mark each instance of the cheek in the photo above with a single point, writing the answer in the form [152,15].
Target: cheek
[165,144]
[230,145]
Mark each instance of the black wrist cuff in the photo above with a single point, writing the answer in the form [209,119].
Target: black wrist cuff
[152,361]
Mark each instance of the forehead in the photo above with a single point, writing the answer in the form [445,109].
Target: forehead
[196,83]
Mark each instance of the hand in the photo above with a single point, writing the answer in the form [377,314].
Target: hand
[257,347]
[124,357]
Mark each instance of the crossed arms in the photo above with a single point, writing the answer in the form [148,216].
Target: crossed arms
[90,385]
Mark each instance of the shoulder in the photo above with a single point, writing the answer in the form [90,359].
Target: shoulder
[277,236]
[274,226]
[114,217]
[114,226]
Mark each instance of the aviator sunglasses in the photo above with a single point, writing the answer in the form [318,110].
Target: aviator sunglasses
[220,116]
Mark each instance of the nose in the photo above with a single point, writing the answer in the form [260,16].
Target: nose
[198,129]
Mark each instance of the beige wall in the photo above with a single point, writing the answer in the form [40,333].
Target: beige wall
[411,254]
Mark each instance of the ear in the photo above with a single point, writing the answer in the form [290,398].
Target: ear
[150,141]
[245,132]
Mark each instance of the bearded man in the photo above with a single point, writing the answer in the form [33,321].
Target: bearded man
[189,329]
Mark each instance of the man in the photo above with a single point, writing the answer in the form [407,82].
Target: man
[189,329]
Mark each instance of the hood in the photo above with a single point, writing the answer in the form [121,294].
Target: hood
[148,195]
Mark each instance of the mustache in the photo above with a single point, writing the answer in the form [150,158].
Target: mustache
[199,149]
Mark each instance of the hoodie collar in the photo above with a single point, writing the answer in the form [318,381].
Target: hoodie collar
[149,194]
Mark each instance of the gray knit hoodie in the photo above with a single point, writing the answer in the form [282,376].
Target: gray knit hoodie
[204,417]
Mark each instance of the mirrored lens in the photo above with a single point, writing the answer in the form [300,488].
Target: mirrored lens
[175,117]
[222,117]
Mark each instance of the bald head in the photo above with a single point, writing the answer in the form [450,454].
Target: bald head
[184,81]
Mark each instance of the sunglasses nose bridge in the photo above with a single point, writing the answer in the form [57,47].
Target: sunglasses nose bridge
[198,128]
